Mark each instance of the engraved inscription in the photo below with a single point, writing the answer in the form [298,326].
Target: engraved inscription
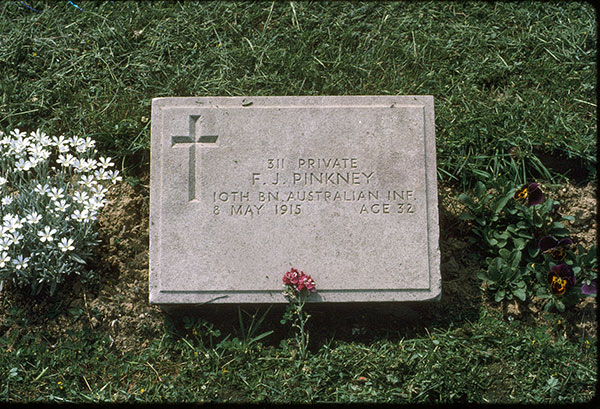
[191,141]
[287,186]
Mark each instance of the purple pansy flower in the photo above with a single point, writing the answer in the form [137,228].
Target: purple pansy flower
[557,249]
[561,279]
[532,193]
[590,289]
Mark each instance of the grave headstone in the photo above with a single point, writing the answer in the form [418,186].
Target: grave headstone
[341,187]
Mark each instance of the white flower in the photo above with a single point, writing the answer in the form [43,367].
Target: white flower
[98,190]
[40,137]
[23,164]
[87,165]
[18,145]
[16,238]
[89,143]
[56,194]
[4,259]
[17,134]
[101,174]
[61,206]
[80,197]
[20,262]
[12,223]
[34,159]
[59,140]
[6,200]
[35,149]
[47,234]
[76,140]
[95,203]
[87,180]
[5,243]
[105,162]
[2,181]
[115,176]
[33,217]
[66,244]
[80,216]
[80,148]
[67,160]
[76,165]
[42,190]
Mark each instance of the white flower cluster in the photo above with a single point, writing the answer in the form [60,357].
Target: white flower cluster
[51,190]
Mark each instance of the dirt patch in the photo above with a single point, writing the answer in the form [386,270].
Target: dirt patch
[122,305]
[581,203]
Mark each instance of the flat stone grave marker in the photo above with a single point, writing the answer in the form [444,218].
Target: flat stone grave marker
[341,187]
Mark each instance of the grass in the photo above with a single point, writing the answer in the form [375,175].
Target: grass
[513,82]
[488,360]
[514,86]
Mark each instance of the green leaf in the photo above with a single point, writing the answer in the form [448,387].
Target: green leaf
[503,235]
[557,225]
[519,243]
[498,204]
[479,189]
[559,305]
[520,293]
[77,258]
[515,259]
[466,199]
[559,232]
[466,216]
[504,253]
[499,295]
[542,293]
[482,276]
[482,174]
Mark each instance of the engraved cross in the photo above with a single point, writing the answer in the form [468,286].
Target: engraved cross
[190,142]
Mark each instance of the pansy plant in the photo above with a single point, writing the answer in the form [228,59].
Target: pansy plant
[523,233]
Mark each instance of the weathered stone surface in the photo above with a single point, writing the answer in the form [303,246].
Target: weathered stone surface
[342,188]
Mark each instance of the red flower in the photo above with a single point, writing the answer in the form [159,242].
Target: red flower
[299,281]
